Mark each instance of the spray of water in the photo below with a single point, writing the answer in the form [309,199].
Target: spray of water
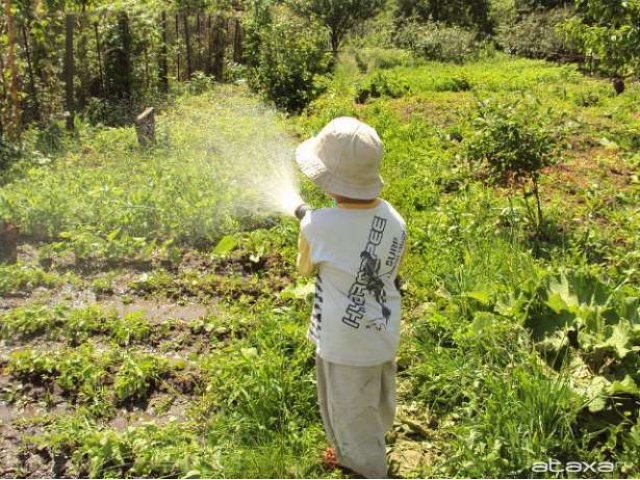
[248,152]
[266,170]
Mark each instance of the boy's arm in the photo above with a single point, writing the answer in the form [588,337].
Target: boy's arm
[305,267]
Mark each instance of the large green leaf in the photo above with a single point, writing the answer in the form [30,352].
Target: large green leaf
[597,393]
[630,309]
[620,339]
[546,325]
[481,296]
[560,296]
[625,386]
[225,246]
[482,321]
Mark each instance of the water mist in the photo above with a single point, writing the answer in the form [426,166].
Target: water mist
[249,150]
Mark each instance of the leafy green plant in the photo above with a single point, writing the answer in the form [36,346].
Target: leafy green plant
[381,84]
[131,327]
[437,41]
[28,321]
[18,277]
[32,363]
[607,30]
[514,142]
[137,375]
[158,280]
[200,83]
[83,372]
[458,83]
[292,56]
[80,324]
[591,330]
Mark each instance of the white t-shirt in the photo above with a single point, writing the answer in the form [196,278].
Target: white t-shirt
[356,313]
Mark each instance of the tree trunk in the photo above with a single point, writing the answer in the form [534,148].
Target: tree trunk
[335,42]
[177,18]
[117,60]
[83,70]
[103,94]
[199,41]
[3,113]
[163,68]
[219,48]
[32,81]
[210,47]
[237,41]
[14,124]
[187,42]
[68,69]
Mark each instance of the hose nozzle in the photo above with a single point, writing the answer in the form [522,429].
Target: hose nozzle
[301,211]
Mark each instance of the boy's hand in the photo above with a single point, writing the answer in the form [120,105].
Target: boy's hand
[301,211]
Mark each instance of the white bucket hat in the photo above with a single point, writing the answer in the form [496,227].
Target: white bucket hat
[344,159]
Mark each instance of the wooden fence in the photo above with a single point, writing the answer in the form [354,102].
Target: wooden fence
[79,62]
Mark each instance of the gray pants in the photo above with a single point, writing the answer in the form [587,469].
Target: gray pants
[358,405]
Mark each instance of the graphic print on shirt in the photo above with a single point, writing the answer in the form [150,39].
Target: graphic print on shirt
[375,286]
[316,317]
[369,281]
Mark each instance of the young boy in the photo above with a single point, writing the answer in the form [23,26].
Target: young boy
[355,250]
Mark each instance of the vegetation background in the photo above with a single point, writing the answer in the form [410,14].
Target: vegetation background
[152,323]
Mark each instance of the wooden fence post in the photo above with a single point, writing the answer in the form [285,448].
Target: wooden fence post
[68,69]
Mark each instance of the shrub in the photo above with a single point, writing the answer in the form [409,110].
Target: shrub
[200,83]
[456,83]
[536,35]
[514,142]
[292,56]
[371,59]
[608,30]
[381,84]
[9,152]
[465,13]
[435,41]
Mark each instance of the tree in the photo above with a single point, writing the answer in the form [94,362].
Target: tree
[339,16]
[528,5]
[608,30]
[15,106]
[513,143]
[292,56]
[465,13]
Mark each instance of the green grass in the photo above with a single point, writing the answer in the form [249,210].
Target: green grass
[502,362]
